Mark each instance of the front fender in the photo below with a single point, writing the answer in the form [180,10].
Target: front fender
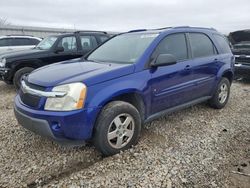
[100,94]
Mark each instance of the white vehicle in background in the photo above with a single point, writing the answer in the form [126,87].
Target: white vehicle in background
[17,42]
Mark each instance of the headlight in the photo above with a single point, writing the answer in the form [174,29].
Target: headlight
[73,100]
[2,62]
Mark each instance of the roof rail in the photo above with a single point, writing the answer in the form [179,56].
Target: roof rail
[184,26]
[137,30]
[90,31]
[162,28]
[179,27]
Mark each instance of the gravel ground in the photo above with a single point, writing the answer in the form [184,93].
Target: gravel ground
[196,147]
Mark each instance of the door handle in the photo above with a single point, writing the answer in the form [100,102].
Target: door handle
[187,68]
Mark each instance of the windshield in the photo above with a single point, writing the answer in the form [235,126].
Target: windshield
[46,43]
[124,49]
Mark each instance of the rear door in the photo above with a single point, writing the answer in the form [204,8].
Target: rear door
[172,85]
[204,64]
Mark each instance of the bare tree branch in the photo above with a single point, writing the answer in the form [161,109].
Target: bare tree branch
[4,22]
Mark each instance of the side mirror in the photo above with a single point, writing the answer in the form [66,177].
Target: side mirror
[164,60]
[59,49]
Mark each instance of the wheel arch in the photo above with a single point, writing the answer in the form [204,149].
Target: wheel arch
[22,64]
[229,75]
[131,96]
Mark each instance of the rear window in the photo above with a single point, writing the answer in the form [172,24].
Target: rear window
[223,43]
[201,45]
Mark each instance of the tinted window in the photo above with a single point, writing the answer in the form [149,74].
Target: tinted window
[68,43]
[88,42]
[201,45]
[5,42]
[223,43]
[173,44]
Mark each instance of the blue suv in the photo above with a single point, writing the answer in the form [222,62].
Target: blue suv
[131,79]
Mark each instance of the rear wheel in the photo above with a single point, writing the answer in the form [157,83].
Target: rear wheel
[117,128]
[19,75]
[221,96]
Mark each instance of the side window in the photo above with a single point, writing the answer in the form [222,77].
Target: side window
[88,42]
[103,38]
[174,44]
[68,43]
[20,42]
[223,43]
[201,45]
[5,42]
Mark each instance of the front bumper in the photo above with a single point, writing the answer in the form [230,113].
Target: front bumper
[65,127]
[4,74]
[242,70]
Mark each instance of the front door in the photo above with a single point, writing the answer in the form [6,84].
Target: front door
[172,85]
[69,45]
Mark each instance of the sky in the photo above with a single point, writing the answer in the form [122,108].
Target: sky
[124,15]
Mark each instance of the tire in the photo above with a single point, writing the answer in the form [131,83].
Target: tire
[112,120]
[19,74]
[221,95]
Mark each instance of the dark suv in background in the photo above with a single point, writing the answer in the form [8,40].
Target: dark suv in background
[56,48]
[241,49]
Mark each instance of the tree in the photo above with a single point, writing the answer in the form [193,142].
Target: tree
[4,22]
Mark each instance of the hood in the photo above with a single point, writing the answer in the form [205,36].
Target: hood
[21,53]
[89,73]
[239,36]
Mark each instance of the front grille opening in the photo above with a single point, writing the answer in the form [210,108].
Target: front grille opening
[31,100]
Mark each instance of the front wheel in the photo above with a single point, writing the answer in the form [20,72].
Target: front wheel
[117,128]
[221,95]
[19,75]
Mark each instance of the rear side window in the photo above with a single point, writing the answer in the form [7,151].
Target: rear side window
[223,43]
[174,44]
[88,42]
[5,42]
[201,45]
